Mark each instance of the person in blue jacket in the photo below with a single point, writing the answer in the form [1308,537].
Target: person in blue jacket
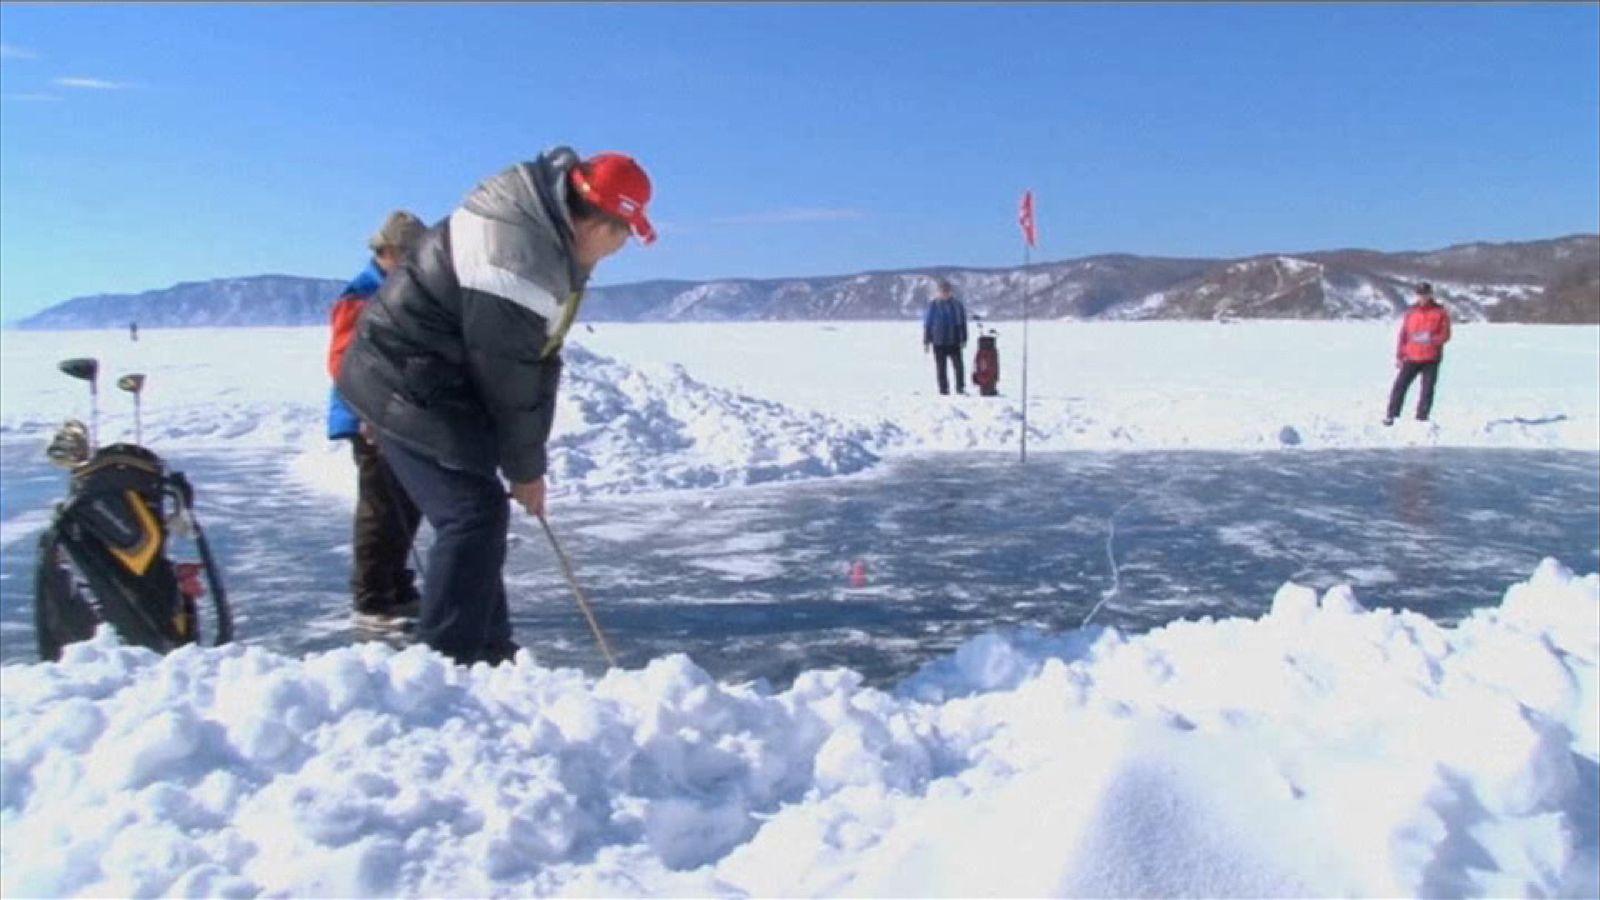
[944,331]
[386,521]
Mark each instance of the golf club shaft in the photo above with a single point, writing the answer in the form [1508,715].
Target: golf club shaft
[572,579]
[133,383]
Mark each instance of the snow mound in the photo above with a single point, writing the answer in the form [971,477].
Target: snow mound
[621,427]
[1319,749]
[618,427]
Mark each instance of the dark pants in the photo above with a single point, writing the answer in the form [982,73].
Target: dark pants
[464,614]
[1402,383]
[386,524]
[952,354]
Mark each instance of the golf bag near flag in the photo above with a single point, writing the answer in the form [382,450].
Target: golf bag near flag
[986,366]
[105,556]
[986,362]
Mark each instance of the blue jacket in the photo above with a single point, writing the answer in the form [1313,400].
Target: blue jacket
[945,324]
[342,420]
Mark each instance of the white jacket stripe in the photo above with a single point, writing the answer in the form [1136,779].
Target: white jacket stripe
[469,253]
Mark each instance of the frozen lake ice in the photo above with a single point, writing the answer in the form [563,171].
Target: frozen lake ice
[755,582]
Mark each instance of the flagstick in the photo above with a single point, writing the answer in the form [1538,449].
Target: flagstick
[1025,292]
[1025,219]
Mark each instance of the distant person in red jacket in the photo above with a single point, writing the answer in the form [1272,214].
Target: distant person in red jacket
[1423,334]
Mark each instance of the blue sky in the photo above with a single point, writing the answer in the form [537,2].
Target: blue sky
[141,146]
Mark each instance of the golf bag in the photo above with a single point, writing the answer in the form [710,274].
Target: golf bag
[104,558]
[986,366]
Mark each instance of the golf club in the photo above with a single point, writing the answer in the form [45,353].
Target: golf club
[133,383]
[583,604]
[88,369]
[70,446]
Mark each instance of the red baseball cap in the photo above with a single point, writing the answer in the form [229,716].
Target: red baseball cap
[618,185]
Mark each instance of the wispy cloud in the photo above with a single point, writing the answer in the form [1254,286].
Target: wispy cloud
[94,84]
[33,97]
[790,216]
[12,51]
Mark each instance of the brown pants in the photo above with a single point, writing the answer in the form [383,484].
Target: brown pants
[386,524]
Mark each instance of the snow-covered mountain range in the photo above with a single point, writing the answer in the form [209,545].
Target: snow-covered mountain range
[1555,280]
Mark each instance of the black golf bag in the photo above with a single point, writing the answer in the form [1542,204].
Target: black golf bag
[986,366]
[104,558]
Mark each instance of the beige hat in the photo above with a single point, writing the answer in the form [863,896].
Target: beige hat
[401,230]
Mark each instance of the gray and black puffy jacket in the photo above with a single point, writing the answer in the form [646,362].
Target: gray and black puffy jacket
[458,354]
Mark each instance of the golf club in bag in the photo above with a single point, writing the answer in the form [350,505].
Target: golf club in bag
[104,558]
[133,383]
[87,368]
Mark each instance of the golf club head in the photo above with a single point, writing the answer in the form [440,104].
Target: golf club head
[133,382]
[70,447]
[85,367]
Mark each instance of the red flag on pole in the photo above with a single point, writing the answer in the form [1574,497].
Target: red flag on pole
[1025,217]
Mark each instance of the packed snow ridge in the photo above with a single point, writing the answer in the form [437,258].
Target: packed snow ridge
[622,428]
[1321,749]
[647,407]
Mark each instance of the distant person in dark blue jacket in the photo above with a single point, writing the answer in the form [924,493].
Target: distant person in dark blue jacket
[944,331]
